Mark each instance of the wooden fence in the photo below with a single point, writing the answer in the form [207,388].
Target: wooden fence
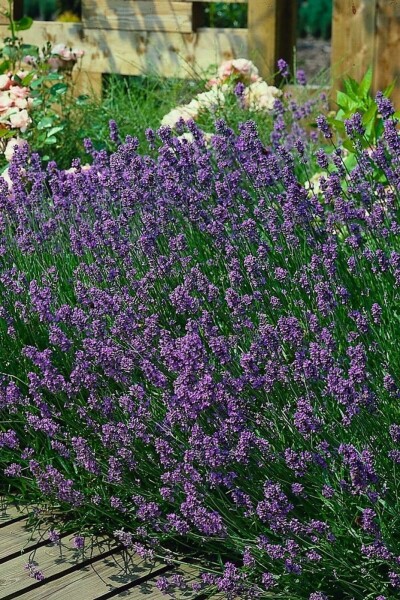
[168,37]
[364,33]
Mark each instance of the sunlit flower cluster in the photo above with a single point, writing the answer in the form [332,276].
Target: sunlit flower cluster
[15,102]
[257,95]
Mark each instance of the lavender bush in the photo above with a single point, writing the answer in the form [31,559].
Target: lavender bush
[201,355]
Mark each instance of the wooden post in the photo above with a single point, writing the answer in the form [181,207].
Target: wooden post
[366,35]
[3,8]
[86,82]
[18,10]
[353,38]
[271,33]
[387,48]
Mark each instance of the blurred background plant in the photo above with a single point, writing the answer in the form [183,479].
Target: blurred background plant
[36,91]
[314,18]
[48,10]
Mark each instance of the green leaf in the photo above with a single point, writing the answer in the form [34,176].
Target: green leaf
[350,161]
[53,76]
[343,100]
[59,89]
[29,50]
[51,140]
[389,89]
[55,130]
[352,88]
[23,24]
[370,114]
[349,146]
[337,125]
[28,78]
[36,83]
[4,133]
[9,51]
[4,66]
[45,122]
[365,84]
[370,131]
[81,100]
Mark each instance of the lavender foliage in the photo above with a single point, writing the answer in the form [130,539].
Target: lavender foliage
[205,351]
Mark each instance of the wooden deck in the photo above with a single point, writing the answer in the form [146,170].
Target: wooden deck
[103,570]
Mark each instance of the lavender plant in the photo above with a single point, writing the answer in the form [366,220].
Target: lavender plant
[201,355]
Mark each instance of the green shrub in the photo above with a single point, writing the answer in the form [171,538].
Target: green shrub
[315,18]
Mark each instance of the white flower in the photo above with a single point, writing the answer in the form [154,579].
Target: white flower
[210,99]
[186,136]
[4,175]
[315,182]
[20,120]
[261,96]
[186,112]
[11,145]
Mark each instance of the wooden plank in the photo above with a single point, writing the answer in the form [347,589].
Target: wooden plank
[99,578]
[3,9]
[137,15]
[51,560]
[87,83]
[148,590]
[9,512]
[271,33]
[225,1]
[387,48]
[353,39]
[16,537]
[134,53]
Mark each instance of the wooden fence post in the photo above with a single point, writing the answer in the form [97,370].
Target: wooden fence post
[387,48]
[353,39]
[18,9]
[87,82]
[366,35]
[271,33]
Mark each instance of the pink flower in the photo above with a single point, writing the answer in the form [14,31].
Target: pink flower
[19,92]
[241,67]
[29,60]
[20,120]
[59,50]
[55,63]
[213,81]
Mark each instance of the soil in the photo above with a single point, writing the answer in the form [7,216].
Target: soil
[314,56]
